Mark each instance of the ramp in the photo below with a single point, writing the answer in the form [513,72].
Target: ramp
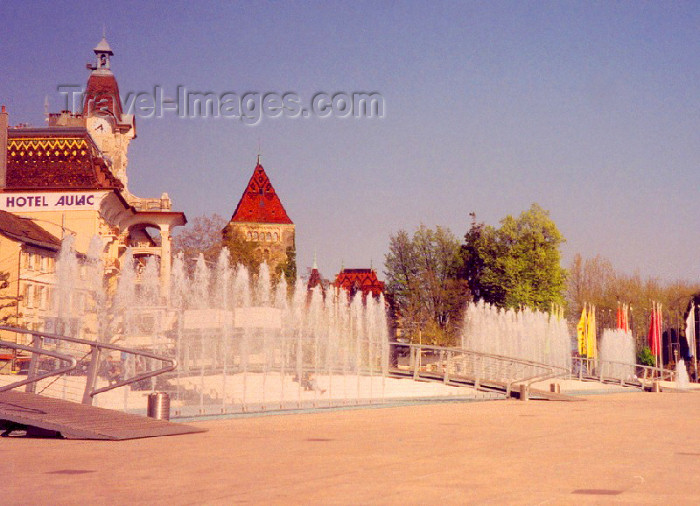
[81,421]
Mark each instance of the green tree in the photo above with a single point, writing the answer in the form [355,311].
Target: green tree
[288,269]
[423,284]
[242,251]
[517,264]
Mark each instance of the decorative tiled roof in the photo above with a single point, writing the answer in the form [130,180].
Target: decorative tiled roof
[260,203]
[56,158]
[364,280]
[26,231]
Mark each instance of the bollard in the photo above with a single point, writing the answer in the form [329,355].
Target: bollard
[656,387]
[159,405]
[524,395]
[555,388]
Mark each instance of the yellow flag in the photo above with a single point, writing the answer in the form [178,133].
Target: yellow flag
[581,332]
[591,345]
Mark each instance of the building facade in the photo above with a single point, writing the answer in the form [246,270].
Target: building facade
[70,179]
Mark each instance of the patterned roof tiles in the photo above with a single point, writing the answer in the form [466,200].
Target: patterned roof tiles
[259,202]
[60,158]
[364,280]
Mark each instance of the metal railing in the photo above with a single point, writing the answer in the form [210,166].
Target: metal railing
[483,370]
[88,354]
[608,371]
[38,377]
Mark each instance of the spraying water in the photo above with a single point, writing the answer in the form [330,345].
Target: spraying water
[682,379]
[617,347]
[525,334]
[243,342]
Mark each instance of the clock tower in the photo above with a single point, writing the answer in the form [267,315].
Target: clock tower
[111,129]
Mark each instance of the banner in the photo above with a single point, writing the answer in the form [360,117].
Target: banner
[581,332]
[591,342]
[690,330]
[654,335]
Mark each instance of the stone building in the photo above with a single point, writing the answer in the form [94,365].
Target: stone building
[260,218]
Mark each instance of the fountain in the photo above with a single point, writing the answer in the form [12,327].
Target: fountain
[243,342]
[682,379]
[248,342]
[617,351]
[525,334]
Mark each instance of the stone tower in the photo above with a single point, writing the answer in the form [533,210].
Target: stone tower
[260,218]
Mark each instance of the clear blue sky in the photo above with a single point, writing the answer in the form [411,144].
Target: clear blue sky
[591,109]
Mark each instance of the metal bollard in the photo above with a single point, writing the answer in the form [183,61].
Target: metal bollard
[555,388]
[656,387]
[524,394]
[159,405]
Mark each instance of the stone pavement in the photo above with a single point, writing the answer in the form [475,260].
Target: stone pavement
[630,448]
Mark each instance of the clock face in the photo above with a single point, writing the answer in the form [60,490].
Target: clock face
[98,126]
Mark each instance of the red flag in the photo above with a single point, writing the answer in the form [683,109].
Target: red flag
[620,322]
[654,336]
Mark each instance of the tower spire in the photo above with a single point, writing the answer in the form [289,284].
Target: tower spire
[103,52]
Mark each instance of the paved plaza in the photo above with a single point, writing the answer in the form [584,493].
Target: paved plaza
[631,448]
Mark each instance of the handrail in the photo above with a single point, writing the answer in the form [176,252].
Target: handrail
[595,369]
[96,350]
[447,354]
[73,363]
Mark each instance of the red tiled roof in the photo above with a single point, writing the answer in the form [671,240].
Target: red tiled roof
[56,158]
[260,203]
[359,279]
[102,96]
[25,230]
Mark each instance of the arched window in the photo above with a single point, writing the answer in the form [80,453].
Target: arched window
[276,237]
[269,236]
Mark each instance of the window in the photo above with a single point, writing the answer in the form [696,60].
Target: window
[276,237]
[269,236]
[29,295]
[40,297]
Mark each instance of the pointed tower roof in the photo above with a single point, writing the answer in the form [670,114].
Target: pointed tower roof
[260,203]
[103,47]
[102,92]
